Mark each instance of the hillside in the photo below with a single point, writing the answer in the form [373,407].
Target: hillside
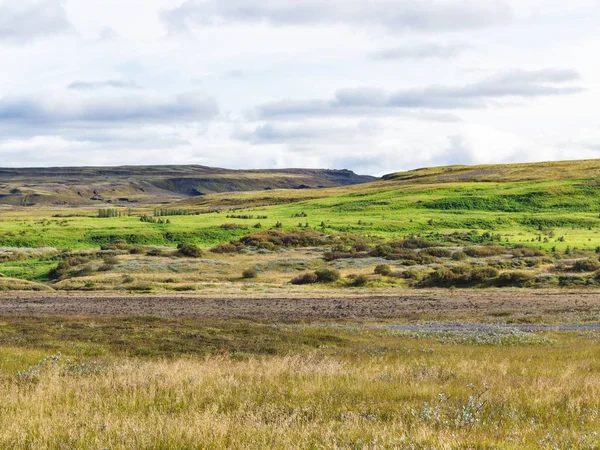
[544,171]
[81,186]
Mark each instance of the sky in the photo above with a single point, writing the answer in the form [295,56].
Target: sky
[374,86]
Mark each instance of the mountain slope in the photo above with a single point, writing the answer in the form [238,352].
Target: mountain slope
[79,186]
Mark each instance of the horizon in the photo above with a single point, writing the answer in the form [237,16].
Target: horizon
[292,168]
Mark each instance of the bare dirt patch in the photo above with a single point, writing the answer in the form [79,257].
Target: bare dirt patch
[502,306]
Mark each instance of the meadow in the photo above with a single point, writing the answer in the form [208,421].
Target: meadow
[191,383]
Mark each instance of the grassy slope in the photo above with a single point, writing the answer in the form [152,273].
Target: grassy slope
[561,213]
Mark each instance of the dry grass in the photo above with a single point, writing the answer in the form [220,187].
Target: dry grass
[406,394]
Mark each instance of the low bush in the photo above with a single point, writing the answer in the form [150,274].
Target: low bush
[305,278]
[459,256]
[461,275]
[586,265]
[438,252]
[190,250]
[327,275]
[277,238]
[360,280]
[515,278]
[524,251]
[250,273]
[224,248]
[485,251]
[382,269]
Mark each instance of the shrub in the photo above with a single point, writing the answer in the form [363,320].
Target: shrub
[515,278]
[523,251]
[438,252]
[305,278]
[462,275]
[250,273]
[482,274]
[484,251]
[224,248]
[190,250]
[586,265]
[60,270]
[360,280]
[327,275]
[155,252]
[459,256]
[382,269]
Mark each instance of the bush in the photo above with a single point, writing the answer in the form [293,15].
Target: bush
[360,280]
[190,250]
[586,265]
[485,251]
[459,256]
[382,269]
[224,248]
[250,273]
[523,251]
[327,275]
[516,279]
[462,275]
[155,252]
[438,252]
[305,278]
[60,270]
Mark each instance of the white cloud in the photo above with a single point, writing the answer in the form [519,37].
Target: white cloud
[26,20]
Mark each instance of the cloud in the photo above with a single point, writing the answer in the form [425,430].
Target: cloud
[27,20]
[393,15]
[420,51]
[274,133]
[94,85]
[66,110]
[353,101]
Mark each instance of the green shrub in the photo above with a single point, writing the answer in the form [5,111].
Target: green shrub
[190,250]
[305,278]
[224,248]
[523,251]
[438,252]
[515,278]
[459,256]
[586,265]
[250,273]
[382,269]
[485,251]
[360,280]
[327,275]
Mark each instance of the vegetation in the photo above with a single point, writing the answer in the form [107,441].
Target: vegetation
[101,383]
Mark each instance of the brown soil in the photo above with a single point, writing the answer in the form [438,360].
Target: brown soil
[493,305]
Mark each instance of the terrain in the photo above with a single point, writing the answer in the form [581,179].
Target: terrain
[441,308]
[78,186]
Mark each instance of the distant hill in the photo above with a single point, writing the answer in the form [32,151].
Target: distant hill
[81,186]
[543,171]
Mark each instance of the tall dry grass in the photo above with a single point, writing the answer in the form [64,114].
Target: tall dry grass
[463,397]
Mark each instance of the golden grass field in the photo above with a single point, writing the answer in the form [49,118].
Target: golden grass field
[356,390]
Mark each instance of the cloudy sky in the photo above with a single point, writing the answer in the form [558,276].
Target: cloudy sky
[375,86]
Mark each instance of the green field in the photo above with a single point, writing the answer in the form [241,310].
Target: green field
[554,208]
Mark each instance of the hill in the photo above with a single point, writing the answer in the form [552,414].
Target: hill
[543,171]
[81,186]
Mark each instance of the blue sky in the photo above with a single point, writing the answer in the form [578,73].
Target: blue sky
[373,86]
